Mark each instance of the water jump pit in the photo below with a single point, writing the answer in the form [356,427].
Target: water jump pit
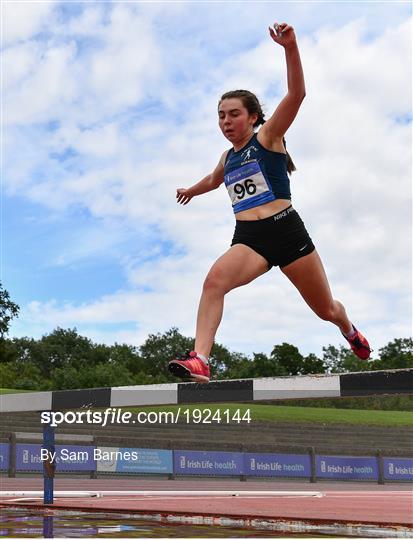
[361,512]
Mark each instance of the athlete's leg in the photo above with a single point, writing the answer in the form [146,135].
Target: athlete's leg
[238,266]
[308,275]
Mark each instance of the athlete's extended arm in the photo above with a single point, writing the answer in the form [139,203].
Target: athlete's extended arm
[287,110]
[210,182]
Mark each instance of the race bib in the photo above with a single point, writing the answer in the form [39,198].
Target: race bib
[245,183]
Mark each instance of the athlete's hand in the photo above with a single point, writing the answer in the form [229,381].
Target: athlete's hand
[183,196]
[283,34]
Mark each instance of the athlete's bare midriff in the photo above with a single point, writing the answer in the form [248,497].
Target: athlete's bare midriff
[263,211]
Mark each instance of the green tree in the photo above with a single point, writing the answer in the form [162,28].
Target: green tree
[312,364]
[396,354]
[264,366]
[8,352]
[289,358]
[8,310]
[238,366]
[158,349]
[24,377]
[127,356]
[343,360]
[8,374]
[93,376]
[225,364]
[65,348]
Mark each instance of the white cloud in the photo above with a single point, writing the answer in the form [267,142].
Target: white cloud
[22,20]
[46,88]
[83,80]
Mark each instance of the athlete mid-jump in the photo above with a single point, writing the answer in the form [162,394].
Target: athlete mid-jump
[268,231]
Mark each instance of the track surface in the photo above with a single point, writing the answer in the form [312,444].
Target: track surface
[341,502]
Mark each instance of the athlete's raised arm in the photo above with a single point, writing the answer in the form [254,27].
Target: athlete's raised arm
[210,182]
[274,128]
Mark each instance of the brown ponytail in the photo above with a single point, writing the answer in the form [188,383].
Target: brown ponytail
[290,163]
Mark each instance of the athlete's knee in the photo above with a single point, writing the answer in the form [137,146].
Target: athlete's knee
[219,281]
[330,312]
[214,282]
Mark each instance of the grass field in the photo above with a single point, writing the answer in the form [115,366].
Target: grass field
[269,413]
[281,413]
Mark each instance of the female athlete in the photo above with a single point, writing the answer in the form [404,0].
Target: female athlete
[268,231]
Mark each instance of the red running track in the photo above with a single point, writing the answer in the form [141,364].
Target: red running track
[341,503]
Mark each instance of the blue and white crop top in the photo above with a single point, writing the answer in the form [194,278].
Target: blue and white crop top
[254,176]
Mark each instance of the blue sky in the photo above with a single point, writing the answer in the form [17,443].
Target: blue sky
[108,107]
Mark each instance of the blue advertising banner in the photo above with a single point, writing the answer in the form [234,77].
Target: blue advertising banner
[347,467]
[398,468]
[138,460]
[30,457]
[4,456]
[277,465]
[208,463]
[75,458]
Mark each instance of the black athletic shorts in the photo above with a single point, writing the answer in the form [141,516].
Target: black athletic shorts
[281,239]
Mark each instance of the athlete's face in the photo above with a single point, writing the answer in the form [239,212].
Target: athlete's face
[234,119]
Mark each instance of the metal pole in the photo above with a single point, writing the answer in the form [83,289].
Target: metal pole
[48,465]
[313,477]
[48,527]
[380,467]
[12,456]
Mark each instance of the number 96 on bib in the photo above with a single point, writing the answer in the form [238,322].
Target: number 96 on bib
[245,184]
